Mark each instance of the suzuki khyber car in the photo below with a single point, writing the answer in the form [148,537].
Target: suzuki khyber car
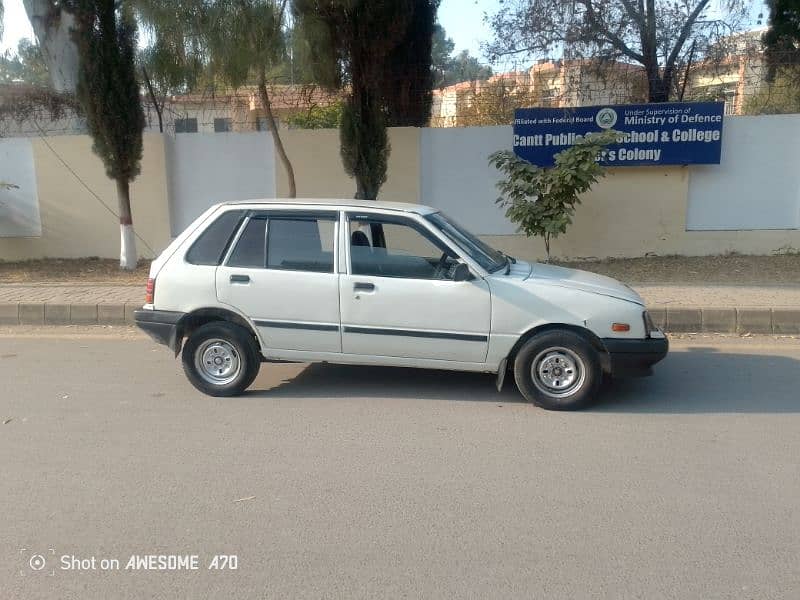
[377,283]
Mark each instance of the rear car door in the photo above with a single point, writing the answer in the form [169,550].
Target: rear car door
[281,273]
[398,297]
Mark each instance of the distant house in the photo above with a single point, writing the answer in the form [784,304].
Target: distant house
[740,73]
[25,112]
[548,83]
[240,110]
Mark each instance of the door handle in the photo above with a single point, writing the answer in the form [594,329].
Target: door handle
[240,279]
[364,287]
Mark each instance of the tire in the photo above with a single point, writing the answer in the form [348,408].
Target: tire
[221,359]
[558,370]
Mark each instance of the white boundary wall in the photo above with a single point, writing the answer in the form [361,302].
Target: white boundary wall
[757,185]
[204,169]
[749,204]
[457,178]
[19,205]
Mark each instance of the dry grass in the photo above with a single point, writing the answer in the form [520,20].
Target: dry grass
[729,269]
[55,270]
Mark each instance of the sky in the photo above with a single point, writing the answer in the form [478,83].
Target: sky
[15,24]
[462,20]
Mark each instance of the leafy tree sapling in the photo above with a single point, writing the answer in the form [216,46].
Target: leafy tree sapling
[541,201]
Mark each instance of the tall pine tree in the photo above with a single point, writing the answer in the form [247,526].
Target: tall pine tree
[108,94]
[410,70]
[782,39]
[379,53]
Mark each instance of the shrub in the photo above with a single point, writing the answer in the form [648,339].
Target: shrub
[541,201]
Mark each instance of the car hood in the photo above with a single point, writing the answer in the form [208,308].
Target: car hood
[542,274]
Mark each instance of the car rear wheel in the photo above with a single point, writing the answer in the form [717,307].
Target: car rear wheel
[221,359]
[558,370]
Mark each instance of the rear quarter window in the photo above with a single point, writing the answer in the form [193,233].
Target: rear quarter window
[209,248]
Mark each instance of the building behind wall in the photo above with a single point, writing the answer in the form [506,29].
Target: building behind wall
[241,110]
[548,83]
[211,112]
[739,74]
[733,71]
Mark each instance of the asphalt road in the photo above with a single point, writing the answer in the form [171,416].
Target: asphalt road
[344,482]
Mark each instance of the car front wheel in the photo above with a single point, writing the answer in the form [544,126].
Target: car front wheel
[558,370]
[221,359]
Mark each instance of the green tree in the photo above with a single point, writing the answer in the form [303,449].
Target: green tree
[173,61]
[779,96]
[26,65]
[257,27]
[449,69]
[317,117]
[409,73]
[660,35]
[541,201]
[354,44]
[464,67]
[108,94]
[494,103]
[442,48]
[782,38]
[296,67]
[235,42]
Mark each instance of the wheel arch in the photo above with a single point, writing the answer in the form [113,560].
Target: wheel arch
[585,333]
[194,319]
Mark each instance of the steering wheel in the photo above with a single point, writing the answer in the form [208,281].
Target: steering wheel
[441,271]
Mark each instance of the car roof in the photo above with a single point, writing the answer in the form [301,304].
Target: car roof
[338,203]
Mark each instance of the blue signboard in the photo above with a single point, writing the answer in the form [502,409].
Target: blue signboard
[672,133]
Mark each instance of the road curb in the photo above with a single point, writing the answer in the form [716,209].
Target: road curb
[675,319]
[58,313]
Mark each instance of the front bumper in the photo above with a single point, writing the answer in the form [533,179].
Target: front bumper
[161,325]
[634,358]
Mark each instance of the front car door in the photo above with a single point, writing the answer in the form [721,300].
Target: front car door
[281,272]
[398,298]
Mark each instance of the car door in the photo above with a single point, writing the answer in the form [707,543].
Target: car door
[398,298]
[281,273]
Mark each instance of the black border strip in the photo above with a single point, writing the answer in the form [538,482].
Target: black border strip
[308,326]
[167,317]
[465,337]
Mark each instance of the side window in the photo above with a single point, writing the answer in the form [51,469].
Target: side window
[387,248]
[210,247]
[300,244]
[249,251]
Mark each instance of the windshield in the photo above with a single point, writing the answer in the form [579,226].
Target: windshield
[481,252]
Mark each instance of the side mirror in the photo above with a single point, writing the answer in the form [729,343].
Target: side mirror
[462,273]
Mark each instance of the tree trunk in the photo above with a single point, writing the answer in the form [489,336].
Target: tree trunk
[154,100]
[53,26]
[273,129]
[658,88]
[547,246]
[127,249]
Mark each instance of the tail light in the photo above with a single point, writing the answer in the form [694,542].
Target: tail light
[150,292]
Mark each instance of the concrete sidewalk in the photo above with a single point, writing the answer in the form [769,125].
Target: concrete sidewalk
[678,308]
